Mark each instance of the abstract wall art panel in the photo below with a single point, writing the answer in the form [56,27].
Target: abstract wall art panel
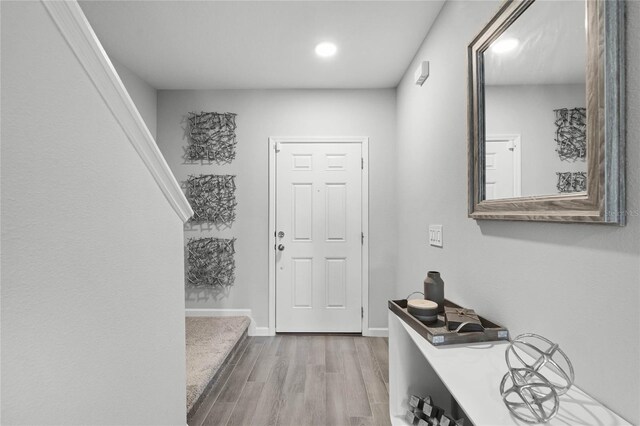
[212,137]
[571,181]
[210,262]
[571,133]
[213,198]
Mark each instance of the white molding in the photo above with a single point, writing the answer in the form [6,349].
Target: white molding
[517,158]
[212,312]
[365,230]
[316,139]
[262,331]
[376,332]
[75,28]
[273,143]
[271,236]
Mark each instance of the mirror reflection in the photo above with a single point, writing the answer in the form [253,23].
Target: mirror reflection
[535,106]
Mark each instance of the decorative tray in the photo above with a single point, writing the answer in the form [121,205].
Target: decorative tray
[438,334]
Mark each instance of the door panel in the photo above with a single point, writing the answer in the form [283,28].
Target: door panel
[336,276]
[319,210]
[302,211]
[302,282]
[335,212]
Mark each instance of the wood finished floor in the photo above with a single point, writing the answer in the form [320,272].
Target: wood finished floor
[302,380]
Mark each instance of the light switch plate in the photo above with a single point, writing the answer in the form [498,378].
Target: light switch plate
[435,235]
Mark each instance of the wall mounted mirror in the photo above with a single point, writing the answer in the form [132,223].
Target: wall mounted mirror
[546,113]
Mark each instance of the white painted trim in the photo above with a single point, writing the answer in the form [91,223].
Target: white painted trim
[273,143]
[261,331]
[75,28]
[378,332]
[366,331]
[210,312]
[272,146]
[517,158]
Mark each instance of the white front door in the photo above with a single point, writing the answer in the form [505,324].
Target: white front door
[318,243]
[502,167]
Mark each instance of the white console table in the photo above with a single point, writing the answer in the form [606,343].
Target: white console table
[471,375]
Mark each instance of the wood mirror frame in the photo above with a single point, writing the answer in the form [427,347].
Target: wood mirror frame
[604,200]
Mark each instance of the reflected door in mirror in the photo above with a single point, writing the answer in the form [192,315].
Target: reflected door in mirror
[502,167]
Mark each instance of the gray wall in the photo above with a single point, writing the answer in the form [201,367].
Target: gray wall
[143,95]
[92,265]
[527,110]
[266,113]
[564,281]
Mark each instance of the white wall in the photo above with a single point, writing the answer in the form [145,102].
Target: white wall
[564,281]
[92,263]
[262,114]
[527,110]
[143,95]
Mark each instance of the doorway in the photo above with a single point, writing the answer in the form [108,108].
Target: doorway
[503,176]
[318,236]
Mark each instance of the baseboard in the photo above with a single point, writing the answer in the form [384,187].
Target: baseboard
[376,332]
[261,331]
[209,312]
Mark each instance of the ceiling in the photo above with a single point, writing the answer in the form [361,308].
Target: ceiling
[262,44]
[551,50]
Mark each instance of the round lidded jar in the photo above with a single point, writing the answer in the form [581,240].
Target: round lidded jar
[424,310]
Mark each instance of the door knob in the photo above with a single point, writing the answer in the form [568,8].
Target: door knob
[281,247]
[280,234]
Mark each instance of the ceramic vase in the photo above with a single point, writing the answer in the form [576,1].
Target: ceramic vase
[434,289]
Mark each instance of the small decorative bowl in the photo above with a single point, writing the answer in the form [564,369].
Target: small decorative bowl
[424,310]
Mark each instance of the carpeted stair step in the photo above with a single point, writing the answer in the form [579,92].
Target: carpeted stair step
[211,342]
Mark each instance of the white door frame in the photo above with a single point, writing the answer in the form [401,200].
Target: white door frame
[274,142]
[516,143]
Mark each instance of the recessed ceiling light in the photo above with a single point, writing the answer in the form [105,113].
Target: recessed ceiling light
[326,49]
[504,45]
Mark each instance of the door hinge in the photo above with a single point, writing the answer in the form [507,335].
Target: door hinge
[362,238]
[361,312]
[362,163]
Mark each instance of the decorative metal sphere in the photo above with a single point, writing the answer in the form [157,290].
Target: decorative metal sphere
[536,352]
[539,372]
[529,395]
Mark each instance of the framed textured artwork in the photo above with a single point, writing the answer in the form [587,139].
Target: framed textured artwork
[571,182]
[210,262]
[212,137]
[571,133]
[213,198]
